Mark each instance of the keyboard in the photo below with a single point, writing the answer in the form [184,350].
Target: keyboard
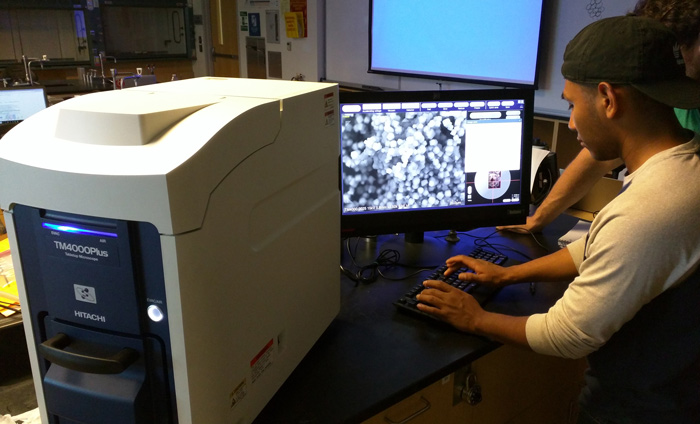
[482,294]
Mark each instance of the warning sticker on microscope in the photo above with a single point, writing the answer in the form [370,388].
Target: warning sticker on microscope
[239,393]
[329,108]
[262,361]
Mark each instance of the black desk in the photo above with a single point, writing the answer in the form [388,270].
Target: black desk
[373,356]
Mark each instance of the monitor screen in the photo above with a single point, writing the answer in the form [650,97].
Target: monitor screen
[141,32]
[434,160]
[19,103]
[487,42]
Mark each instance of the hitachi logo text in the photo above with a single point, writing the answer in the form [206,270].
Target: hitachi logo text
[93,317]
[78,248]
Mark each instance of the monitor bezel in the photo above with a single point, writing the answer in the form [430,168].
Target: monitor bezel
[458,218]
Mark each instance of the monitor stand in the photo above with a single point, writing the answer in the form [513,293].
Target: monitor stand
[419,237]
[418,251]
[452,237]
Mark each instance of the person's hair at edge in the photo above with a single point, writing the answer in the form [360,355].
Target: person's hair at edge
[681,16]
[632,50]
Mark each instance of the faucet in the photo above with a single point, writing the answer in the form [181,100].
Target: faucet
[102,64]
[28,66]
[24,64]
[27,74]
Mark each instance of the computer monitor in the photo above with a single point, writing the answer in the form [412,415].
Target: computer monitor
[19,103]
[434,160]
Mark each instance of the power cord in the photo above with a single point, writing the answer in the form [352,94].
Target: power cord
[369,273]
[391,258]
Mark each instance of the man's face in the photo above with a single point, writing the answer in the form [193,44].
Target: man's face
[587,119]
[691,57]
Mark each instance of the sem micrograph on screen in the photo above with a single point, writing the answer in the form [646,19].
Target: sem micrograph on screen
[409,160]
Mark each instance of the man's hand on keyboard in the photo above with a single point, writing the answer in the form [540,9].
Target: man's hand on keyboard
[450,305]
[484,272]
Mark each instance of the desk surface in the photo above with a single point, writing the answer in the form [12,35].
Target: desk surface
[372,355]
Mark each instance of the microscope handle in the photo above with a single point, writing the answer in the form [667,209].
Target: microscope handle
[52,350]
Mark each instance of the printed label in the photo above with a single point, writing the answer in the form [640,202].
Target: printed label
[329,108]
[262,361]
[85,293]
[239,393]
[88,249]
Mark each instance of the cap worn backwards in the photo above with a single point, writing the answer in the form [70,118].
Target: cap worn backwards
[632,50]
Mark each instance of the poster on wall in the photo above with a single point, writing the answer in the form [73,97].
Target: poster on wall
[244,21]
[300,6]
[272,26]
[294,24]
[254,23]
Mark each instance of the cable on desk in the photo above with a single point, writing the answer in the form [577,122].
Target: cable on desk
[482,241]
[530,233]
[405,277]
[369,273]
[386,259]
[354,251]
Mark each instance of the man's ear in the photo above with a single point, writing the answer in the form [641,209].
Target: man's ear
[609,99]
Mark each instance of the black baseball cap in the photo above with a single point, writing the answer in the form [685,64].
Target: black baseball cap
[636,51]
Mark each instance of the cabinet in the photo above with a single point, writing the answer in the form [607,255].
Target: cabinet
[430,405]
[561,140]
[517,387]
[557,135]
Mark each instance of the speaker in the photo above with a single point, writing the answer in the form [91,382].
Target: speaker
[546,174]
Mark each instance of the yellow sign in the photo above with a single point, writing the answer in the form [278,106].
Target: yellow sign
[294,23]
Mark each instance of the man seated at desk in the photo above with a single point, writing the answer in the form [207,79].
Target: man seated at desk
[632,305]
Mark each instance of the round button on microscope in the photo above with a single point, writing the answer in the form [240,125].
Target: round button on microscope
[155,313]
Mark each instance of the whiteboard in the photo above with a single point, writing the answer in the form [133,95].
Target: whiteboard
[347,48]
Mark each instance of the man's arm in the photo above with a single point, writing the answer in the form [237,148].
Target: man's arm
[557,266]
[463,311]
[576,180]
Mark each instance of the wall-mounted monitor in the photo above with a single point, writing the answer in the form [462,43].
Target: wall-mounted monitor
[140,31]
[485,42]
[434,160]
[37,29]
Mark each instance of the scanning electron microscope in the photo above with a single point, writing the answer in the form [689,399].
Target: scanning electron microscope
[176,246]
